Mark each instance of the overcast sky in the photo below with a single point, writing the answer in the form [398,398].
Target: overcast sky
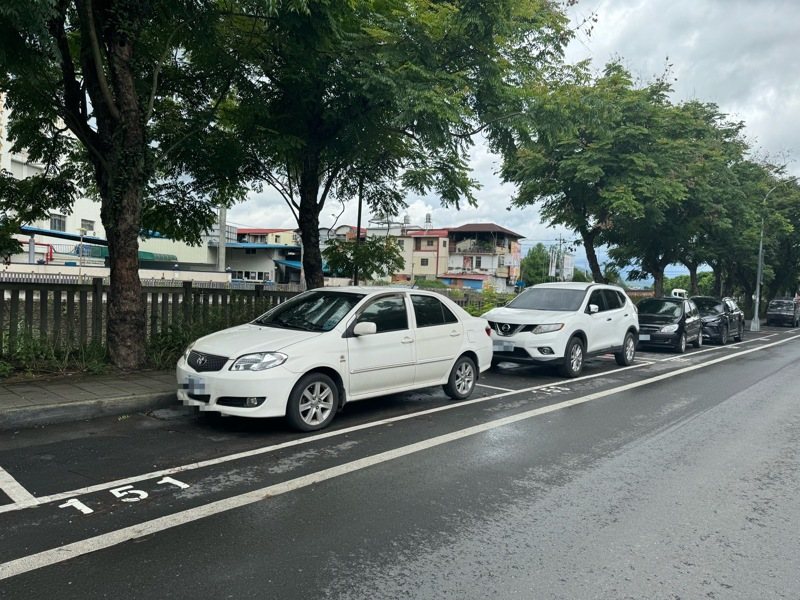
[743,55]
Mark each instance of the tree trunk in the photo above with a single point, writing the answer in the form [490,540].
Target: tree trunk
[591,256]
[694,290]
[308,220]
[658,281]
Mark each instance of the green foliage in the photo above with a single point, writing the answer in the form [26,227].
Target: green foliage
[430,284]
[534,268]
[375,257]
[35,355]
[370,99]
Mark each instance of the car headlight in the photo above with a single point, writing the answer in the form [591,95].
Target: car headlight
[548,328]
[188,349]
[669,328]
[259,361]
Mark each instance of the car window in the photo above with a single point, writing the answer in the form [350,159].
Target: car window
[388,313]
[709,306]
[613,301]
[598,297]
[659,306]
[311,311]
[782,304]
[430,312]
[548,298]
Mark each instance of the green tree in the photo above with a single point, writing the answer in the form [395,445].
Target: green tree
[375,257]
[397,88]
[535,267]
[590,152]
[122,96]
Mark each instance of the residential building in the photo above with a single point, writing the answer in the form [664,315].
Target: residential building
[264,255]
[483,254]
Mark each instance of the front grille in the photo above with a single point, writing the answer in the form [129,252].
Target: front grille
[644,328]
[509,329]
[201,362]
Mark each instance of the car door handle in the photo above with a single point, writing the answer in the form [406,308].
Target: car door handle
[455,333]
[609,319]
[407,340]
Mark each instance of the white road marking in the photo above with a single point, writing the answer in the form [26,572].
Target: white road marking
[492,387]
[298,442]
[53,556]
[692,353]
[18,494]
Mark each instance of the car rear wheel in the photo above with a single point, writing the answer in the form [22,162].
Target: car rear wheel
[313,402]
[680,346]
[462,379]
[573,358]
[628,354]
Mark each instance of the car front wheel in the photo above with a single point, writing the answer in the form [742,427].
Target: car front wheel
[628,354]
[573,358]
[723,337]
[680,346]
[740,333]
[313,402]
[462,379]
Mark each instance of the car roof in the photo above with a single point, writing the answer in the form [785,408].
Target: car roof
[669,298]
[569,285]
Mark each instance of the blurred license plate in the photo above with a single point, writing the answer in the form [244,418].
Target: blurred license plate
[644,337]
[503,346]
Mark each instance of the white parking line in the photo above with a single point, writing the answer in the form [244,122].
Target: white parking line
[492,387]
[297,442]
[18,494]
[113,538]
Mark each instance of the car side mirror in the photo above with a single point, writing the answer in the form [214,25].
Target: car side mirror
[365,328]
[593,309]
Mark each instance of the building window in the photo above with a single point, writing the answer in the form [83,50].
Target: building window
[277,239]
[87,225]
[477,262]
[401,244]
[249,250]
[444,243]
[58,222]
[501,260]
[423,262]
[430,243]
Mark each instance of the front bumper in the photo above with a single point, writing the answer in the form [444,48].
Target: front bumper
[781,318]
[209,391]
[659,340]
[530,348]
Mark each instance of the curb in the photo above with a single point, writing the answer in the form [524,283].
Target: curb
[66,412]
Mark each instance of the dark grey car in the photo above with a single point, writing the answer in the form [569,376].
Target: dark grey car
[722,318]
[783,311]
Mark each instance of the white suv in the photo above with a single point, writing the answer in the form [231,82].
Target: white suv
[563,323]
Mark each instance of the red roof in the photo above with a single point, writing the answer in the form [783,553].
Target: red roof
[441,233]
[476,276]
[485,228]
[261,231]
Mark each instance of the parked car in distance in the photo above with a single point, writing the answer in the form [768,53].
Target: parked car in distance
[783,311]
[669,323]
[722,318]
[308,356]
[563,323]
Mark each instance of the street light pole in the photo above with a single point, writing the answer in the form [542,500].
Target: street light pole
[755,324]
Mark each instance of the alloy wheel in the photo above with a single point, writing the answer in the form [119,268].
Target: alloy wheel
[465,377]
[316,403]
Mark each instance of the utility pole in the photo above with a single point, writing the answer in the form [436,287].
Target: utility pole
[358,228]
[222,238]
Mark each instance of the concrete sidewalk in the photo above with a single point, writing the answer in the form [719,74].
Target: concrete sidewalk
[78,397]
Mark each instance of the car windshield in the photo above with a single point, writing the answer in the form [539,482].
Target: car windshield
[548,298]
[311,311]
[709,306]
[657,306]
[782,304]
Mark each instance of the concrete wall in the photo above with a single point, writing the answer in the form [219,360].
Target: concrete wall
[89,272]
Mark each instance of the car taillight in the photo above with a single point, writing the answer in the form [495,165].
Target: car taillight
[488,331]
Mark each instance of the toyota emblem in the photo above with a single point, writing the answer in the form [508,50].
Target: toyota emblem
[505,328]
[201,360]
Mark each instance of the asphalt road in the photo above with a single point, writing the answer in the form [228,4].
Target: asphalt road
[678,477]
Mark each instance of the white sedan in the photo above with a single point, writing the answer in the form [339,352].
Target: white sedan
[307,357]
